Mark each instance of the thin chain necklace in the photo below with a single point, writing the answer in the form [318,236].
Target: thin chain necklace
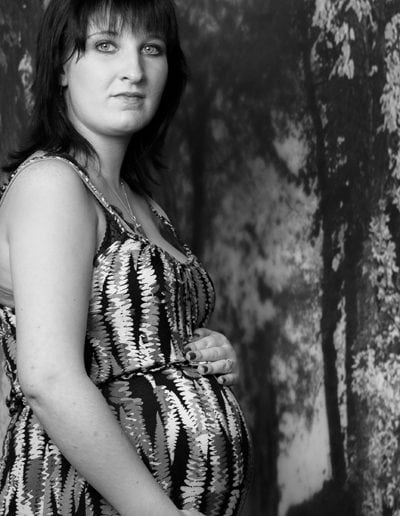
[127,205]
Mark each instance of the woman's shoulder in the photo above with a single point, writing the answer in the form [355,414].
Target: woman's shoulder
[46,182]
[45,163]
[45,172]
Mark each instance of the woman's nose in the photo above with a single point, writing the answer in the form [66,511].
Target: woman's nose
[132,68]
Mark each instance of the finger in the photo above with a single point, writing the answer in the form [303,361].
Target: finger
[210,341]
[200,333]
[210,354]
[218,367]
[228,379]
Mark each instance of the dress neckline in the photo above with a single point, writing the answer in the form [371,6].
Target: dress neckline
[127,227]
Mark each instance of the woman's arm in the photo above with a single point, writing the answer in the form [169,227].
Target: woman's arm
[52,239]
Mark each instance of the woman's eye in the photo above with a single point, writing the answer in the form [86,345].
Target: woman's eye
[105,46]
[152,50]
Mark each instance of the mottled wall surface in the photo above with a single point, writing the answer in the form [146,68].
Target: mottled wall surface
[18,23]
[18,26]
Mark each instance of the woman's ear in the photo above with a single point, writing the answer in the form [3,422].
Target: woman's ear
[63,79]
[64,74]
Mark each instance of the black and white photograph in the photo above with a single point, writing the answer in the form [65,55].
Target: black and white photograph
[200,257]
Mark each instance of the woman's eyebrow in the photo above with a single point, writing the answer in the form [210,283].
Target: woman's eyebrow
[147,35]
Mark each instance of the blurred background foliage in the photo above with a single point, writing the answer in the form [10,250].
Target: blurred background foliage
[284,178]
[237,153]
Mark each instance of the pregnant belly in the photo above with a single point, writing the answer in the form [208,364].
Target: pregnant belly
[191,434]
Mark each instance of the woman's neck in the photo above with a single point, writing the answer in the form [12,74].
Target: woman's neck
[107,167]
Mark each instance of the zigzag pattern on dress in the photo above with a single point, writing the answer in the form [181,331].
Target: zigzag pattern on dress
[188,429]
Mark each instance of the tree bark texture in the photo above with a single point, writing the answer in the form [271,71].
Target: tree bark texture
[364,485]
[330,288]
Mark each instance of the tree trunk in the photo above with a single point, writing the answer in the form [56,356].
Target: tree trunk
[364,485]
[330,286]
[353,247]
[329,320]
[367,185]
[260,396]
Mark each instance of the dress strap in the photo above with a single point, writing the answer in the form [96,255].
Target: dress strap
[82,174]
[111,209]
[43,157]
[124,226]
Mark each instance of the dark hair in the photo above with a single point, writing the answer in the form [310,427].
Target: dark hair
[63,31]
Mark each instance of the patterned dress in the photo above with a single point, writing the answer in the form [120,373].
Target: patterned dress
[187,428]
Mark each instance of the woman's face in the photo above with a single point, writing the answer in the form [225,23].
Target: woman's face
[114,88]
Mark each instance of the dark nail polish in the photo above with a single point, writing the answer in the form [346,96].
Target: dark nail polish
[191,355]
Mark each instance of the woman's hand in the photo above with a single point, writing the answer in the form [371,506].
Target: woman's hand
[215,355]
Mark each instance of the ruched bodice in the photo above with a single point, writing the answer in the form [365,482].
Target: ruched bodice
[145,305]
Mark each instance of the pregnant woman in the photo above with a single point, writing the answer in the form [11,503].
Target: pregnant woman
[103,310]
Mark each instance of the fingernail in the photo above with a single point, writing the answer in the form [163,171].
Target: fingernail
[191,355]
[203,369]
[221,380]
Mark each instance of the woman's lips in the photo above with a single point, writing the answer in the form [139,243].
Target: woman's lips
[130,94]
[131,99]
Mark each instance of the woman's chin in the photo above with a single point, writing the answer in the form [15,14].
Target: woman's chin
[126,129]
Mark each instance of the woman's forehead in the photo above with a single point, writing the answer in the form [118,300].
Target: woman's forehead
[116,23]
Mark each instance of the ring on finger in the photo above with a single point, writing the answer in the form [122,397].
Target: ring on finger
[229,365]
